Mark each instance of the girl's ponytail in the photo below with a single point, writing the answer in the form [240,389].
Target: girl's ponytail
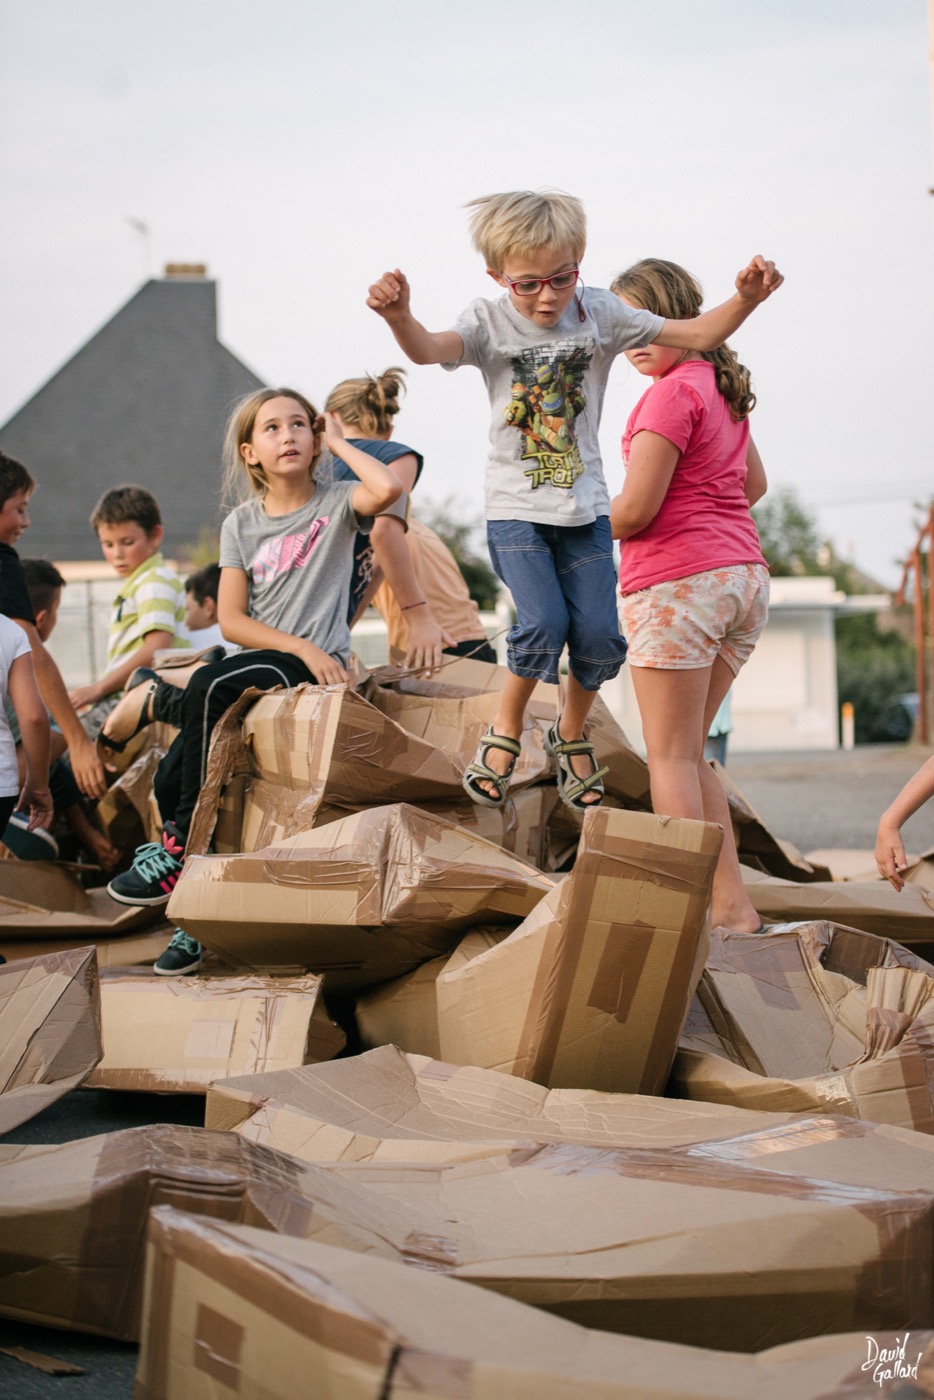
[670,291]
[370,403]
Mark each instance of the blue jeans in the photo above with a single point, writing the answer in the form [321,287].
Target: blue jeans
[563,584]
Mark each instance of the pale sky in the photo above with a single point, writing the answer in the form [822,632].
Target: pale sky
[300,148]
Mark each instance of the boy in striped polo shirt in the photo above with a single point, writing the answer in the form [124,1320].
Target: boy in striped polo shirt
[149,610]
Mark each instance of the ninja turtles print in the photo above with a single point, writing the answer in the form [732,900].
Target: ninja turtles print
[546,398]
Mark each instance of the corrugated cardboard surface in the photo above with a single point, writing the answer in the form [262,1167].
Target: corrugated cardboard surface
[177,1034]
[361,900]
[388,1106]
[873,906]
[50,1031]
[813,1016]
[73,1217]
[233,1310]
[592,990]
[404,1012]
[818,1225]
[45,899]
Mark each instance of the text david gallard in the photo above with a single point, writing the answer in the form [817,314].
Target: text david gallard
[890,1363]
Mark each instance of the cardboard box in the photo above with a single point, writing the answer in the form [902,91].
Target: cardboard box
[404,1012]
[233,1310]
[176,1034]
[873,906]
[822,1224]
[386,1106]
[819,1224]
[127,813]
[361,900]
[42,899]
[128,950]
[813,1017]
[73,1216]
[50,1031]
[593,989]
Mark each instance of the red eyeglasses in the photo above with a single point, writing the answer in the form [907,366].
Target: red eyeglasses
[531,286]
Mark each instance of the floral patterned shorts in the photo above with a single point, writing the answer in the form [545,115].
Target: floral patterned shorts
[685,624]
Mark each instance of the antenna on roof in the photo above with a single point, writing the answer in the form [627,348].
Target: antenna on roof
[143,231]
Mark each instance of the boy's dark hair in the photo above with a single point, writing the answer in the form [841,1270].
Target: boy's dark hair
[204,583]
[43,581]
[127,505]
[13,478]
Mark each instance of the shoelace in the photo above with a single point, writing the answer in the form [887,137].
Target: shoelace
[180,939]
[153,860]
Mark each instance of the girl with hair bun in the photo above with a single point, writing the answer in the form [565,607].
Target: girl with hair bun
[694,584]
[432,608]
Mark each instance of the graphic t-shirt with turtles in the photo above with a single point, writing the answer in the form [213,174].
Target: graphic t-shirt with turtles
[546,390]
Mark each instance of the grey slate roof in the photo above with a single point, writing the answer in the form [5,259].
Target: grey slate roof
[144,401]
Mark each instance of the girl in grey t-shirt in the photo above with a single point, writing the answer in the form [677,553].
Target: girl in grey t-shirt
[286,557]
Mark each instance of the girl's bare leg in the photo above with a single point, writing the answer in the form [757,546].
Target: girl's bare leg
[677,708]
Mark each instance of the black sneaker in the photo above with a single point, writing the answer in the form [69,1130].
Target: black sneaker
[26,844]
[154,873]
[183,955]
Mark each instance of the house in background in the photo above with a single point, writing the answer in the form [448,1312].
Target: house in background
[144,401]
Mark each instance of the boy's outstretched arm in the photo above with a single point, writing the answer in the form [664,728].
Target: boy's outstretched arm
[754,284]
[890,852]
[389,298]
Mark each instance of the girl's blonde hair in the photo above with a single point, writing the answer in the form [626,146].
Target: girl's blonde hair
[370,403]
[239,431]
[523,222]
[670,291]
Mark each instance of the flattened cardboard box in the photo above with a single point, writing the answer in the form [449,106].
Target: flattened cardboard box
[813,1016]
[872,905]
[752,1241]
[73,1216]
[50,1031]
[361,900]
[177,1034]
[741,1231]
[44,899]
[387,1106]
[592,990]
[230,1308]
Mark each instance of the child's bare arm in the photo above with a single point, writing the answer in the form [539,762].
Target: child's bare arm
[85,764]
[117,678]
[379,486]
[890,852]
[756,483]
[754,284]
[33,719]
[389,298]
[651,465]
[238,627]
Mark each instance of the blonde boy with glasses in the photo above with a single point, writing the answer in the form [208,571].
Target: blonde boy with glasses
[545,349]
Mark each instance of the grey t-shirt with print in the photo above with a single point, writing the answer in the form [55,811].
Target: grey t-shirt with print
[546,390]
[298,566]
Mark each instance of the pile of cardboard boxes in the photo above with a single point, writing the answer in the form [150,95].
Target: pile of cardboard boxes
[587,1144]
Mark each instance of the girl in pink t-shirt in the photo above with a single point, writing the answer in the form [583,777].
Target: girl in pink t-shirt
[693,580]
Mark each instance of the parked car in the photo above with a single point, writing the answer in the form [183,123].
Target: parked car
[895,722]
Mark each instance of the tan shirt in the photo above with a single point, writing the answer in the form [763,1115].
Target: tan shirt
[443,588]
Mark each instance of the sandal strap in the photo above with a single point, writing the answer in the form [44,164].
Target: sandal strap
[478,770]
[593,781]
[500,741]
[573,746]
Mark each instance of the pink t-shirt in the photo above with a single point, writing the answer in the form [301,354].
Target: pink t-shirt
[704,521]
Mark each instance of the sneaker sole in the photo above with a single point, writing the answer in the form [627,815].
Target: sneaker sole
[176,971]
[140,903]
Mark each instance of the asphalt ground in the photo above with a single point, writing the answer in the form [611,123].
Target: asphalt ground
[817,801]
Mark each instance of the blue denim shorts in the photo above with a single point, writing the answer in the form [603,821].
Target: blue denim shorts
[563,583]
